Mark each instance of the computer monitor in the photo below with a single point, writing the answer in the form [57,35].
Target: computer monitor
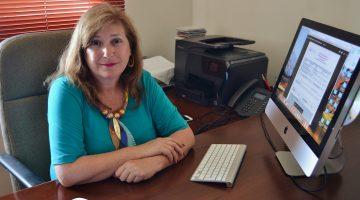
[313,94]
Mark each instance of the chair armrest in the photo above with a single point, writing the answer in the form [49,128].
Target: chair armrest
[20,171]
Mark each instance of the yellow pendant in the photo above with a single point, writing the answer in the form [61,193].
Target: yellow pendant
[117,128]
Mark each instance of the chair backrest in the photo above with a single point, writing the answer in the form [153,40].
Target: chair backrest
[25,62]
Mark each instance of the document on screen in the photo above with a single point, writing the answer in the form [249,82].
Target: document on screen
[312,79]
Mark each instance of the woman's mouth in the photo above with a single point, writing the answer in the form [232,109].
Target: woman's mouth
[109,64]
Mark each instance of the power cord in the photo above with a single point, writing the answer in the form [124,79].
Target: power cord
[266,133]
[225,116]
[309,190]
[293,178]
[338,154]
[219,110]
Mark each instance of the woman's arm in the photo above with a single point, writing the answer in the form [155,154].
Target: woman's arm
[186,137]
[134,171]
[92,168]
[166,119]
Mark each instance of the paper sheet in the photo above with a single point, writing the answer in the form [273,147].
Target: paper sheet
[160,68]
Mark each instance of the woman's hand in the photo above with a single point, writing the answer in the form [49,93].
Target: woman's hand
[169,147]
[134,171]
[156,155]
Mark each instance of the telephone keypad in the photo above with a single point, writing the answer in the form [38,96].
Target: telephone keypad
[253,105]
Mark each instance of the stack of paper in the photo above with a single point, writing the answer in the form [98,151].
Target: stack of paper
[160,68]
[190,32]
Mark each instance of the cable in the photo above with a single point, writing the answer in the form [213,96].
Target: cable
[224,118]
[266,133]
[207,125]
[339,154]
[222,111]
[215,123]
[310,191]
[337,148]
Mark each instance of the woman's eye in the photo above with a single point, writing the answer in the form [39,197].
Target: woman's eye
[116,41]
[95,43]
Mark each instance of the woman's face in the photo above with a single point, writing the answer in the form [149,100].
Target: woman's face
[108,53]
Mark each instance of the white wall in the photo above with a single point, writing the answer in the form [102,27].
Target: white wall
[272,24]
[156,22]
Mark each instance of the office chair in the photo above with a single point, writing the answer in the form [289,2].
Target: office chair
[25,62]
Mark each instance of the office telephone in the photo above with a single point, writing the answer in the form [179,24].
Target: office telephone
[249,100]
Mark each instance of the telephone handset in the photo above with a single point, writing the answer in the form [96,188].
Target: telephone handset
[249,100]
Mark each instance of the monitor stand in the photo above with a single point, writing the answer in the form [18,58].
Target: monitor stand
[354,111]
[333,164]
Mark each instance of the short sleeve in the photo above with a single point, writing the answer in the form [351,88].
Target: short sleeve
[165,115]
[65,122]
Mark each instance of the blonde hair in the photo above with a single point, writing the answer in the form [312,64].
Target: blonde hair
[72,62]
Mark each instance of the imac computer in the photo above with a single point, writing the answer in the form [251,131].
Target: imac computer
[314,92]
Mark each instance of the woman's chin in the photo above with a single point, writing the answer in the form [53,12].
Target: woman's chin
[109,76]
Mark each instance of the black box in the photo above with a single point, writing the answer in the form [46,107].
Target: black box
[210,76]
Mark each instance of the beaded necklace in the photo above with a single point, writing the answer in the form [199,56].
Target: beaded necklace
[114,126]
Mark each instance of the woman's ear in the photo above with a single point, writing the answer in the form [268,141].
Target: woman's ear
[131,61]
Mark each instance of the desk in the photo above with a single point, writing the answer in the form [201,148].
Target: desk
[260,176]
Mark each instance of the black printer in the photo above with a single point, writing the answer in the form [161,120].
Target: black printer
[208,70]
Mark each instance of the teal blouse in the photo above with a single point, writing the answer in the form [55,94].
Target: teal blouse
[77,128]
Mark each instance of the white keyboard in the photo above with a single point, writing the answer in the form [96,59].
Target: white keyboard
[220,164]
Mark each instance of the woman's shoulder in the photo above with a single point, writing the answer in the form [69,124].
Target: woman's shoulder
[147,80]
[63,83]
[62,80]
[145,75]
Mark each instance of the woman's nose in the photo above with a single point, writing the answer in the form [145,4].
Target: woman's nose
[108,51]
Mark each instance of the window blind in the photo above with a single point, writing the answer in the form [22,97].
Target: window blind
[22,16]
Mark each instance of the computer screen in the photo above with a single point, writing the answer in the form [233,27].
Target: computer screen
[315,88]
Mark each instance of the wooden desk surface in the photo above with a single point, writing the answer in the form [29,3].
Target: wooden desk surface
[260,176]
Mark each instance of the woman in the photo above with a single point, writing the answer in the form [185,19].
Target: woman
[107,116]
